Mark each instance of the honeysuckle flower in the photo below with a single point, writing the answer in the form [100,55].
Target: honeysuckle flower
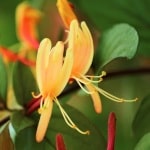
[27,18]
[66,12]
[53,72]
[82,46]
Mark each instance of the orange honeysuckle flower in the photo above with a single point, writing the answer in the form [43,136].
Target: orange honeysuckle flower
[66,12]
[53,72]
[27,18]
[82,46]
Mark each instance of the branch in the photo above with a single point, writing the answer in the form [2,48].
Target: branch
[127,72]
[34,103]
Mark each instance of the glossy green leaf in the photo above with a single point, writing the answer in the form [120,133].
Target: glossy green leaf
[3,80]
[25,140]
[23,83]
[20,121]
[141,124]
[73,140]
[119,41]
[105,13]
[144,143]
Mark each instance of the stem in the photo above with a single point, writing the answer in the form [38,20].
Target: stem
[127,72]
[34,103]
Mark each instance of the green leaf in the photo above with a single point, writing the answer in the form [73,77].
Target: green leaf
[73,140]
[3,80]
[119,41]
[144,143]
[141,121]
[23,83]
[20,121]
[25,140]
[103,14]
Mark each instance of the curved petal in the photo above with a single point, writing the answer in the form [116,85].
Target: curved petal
[72,34]
[88,49]
[42,62]
[95,97]
[54,67]
[66,12]
[80,40]
[44,121]
[64,74]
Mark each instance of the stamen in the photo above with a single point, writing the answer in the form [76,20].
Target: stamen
[35,96]
[85,80]
[67,39]
[43,105]
[46,103]
[81,86]
[80,80]
[94,79]
[100,76]
[112,97]
[68,120]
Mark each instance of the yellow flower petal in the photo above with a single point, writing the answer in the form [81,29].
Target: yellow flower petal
[66,12]
[95,97]
[54,67]
[80,40]
[42,62]
[64,74]
[44,120]
[53,71]
[88,49]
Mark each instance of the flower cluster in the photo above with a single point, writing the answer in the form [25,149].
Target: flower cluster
[57,65]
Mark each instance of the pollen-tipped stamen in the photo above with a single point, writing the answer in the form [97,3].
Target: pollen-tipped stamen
[91,78]
[81,86]
[43,105]
[35,96]
[84,80]
[112,97]
[68,120]
[100,76]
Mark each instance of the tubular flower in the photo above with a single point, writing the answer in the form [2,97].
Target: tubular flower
[66,12]
[82,46]
[27,18]
[53,72]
